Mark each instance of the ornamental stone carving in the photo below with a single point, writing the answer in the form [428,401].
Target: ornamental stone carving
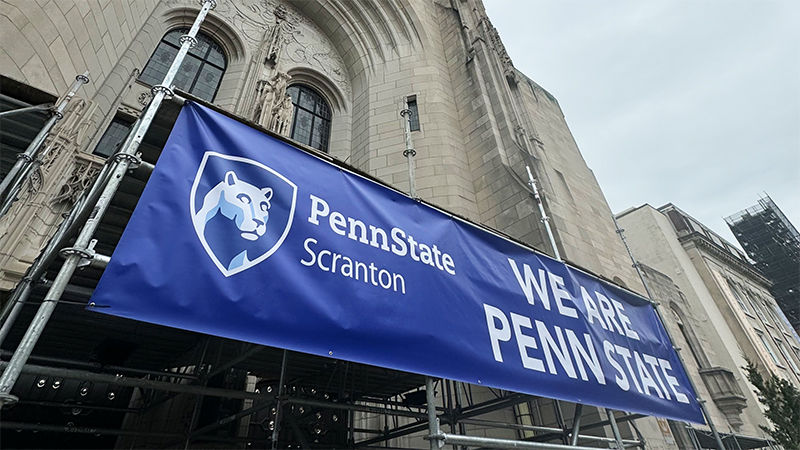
[273,106]
[499,48]
[274,38]
[266,101]
[84,171]
[284,40]
[144,98]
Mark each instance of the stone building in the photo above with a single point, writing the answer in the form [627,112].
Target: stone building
[722,310]
[330,75]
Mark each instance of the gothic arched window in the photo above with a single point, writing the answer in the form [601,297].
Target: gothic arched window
[201,71]
[311,124]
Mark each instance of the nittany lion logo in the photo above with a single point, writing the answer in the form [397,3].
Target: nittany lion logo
[241,210]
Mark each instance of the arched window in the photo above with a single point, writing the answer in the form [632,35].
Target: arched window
[201,71]
[311,124]
[689,336]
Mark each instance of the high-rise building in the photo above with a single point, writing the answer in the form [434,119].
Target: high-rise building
[768,238]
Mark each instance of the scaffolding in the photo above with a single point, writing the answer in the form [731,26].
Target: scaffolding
[127,371]
[770,239]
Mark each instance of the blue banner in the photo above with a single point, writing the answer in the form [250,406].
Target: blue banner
[240,235]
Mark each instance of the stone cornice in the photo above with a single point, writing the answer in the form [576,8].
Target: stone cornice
[708,245]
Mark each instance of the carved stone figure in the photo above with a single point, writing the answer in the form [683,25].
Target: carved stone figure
[273,38]
[268,105]
[270,97]
[281,120]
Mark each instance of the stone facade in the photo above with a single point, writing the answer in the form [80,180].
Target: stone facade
[720,309]
[481,120]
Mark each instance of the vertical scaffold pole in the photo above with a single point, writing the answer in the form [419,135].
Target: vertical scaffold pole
[621,233]
[613,421]
[409,152]
[65,230]
[546,221]
[276,429]
[576,424]
[545,218]
[16,176]
[122,160]
[433,421]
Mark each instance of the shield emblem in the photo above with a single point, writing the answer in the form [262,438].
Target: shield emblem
[241,210]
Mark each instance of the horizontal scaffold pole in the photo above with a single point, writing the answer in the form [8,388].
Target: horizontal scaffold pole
[474,441]
[142,383]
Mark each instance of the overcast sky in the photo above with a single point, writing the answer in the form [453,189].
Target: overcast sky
[691,102]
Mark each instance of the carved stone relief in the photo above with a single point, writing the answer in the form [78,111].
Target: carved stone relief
[283,39]
[84,171]
[499,48]
[125,109]
[62,143]
[48,192]
[265,101]
[144,98]
[273,106]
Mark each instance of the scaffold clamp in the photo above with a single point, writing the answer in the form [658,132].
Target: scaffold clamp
[161,88]
[133,160]
[86,254]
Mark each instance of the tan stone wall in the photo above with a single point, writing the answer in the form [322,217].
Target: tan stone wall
[47,43]
[725,332]
[481,121]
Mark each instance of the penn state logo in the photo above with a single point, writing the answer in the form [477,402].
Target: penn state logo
[241,210]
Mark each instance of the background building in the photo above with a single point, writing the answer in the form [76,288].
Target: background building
[724,312]
[774,244]
[331,76]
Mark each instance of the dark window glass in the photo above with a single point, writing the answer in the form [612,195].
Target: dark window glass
[412,106]
[678,221]
[116,132]
[201,71]
[312,117]
[302,126]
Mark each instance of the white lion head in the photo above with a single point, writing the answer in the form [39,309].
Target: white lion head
[244,204]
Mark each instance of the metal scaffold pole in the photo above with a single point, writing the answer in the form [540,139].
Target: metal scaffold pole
[81,249]
[15,178]
[621,233]
[545,218]
[409,152]
[276,429]
[36,270]
[546,221]
[433,421]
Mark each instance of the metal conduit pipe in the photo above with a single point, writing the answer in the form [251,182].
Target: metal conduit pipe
[602,423]
[475,410]
[79,291]
[513,426]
